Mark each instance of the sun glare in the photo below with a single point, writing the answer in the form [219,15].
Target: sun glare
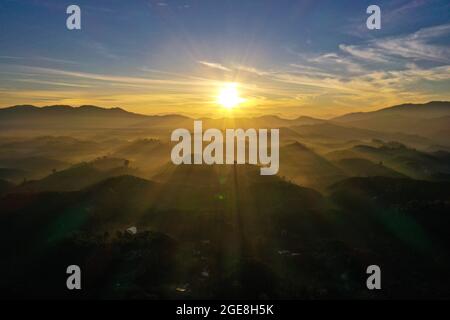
[229,96]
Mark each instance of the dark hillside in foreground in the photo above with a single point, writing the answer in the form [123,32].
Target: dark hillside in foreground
[226,231]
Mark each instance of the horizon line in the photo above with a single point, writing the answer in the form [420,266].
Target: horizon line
[207,117]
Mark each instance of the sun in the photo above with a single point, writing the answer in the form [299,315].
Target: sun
[229,96]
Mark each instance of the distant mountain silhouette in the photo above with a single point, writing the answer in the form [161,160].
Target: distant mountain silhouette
[431,120]
[432,109]
[24,110]
[91,116]
[63,116]
[339,131]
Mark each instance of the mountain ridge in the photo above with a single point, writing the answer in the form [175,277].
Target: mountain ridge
[443,105]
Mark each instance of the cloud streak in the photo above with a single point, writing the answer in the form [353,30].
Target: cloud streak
[214,65]
[417,46]
[383,71]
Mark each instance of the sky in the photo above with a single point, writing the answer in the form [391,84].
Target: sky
[287,57]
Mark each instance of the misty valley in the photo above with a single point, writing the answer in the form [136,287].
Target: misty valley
[239,146]
[352,191]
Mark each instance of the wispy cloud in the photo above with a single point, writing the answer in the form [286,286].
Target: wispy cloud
[365,53]
[409,67]
[252,70]
[53,83]
[418,45]
[398,13]
[37,58]
[100,48]
[214,65]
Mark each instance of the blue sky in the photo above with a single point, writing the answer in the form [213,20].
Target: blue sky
[289,57]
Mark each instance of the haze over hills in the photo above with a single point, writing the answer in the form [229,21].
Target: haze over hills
[59,116]
[74,180]
[67,136]
[432,109]
[63,116]
[430,120]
